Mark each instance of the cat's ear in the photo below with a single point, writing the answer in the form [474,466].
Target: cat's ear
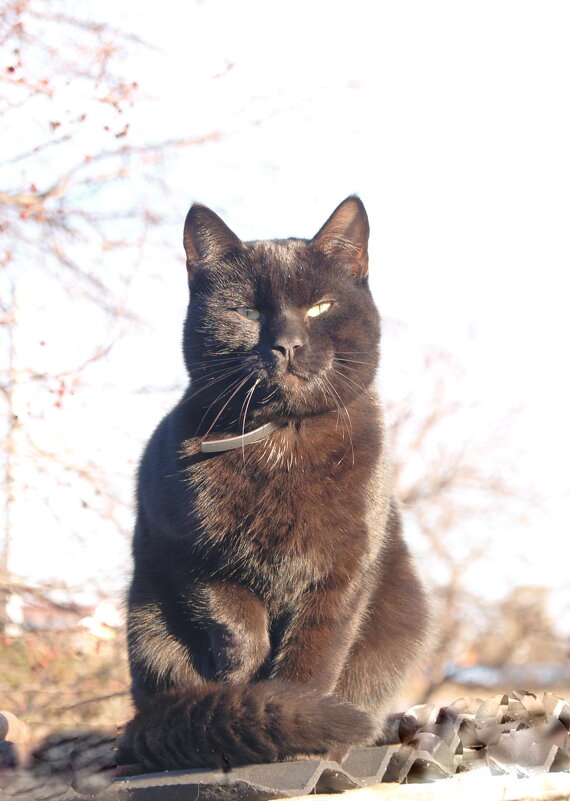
[345,236]
[206,237]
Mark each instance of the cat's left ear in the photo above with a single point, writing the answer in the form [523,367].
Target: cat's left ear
[345,236]
[206,237]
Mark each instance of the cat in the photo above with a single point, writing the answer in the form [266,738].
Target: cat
[274,610]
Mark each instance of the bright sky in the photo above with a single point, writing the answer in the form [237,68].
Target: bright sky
[452,122]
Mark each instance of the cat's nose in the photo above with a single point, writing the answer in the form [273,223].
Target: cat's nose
[287,347]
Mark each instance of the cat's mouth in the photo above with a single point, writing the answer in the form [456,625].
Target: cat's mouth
[296,375]
[290,381]
[300,386]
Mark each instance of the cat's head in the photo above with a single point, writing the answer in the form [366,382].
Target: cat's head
[278,329]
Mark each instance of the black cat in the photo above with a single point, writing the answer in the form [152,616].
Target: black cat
[274,610]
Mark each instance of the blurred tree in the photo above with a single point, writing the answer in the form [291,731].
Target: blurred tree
[456,476]
[521,631]
[74,220]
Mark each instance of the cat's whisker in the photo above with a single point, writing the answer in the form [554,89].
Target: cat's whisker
[319,383]
[215,354]
[353,352]
[339,412]
[212,373]
[215,361]
[204,374]
[360,387]
[210,384]
[216,399]
[268,397]
[196,392]
[234,393]
[352,361]
[248,397]
[348,419]
[333,389]
[330,396]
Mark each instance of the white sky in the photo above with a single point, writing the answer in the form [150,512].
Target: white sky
[452,122]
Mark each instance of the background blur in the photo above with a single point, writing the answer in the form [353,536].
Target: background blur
[452,122]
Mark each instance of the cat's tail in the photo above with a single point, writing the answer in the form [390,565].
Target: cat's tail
[225,725]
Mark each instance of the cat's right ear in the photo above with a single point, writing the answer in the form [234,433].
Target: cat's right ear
[206,237]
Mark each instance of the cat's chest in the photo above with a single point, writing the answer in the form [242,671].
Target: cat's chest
[282,519]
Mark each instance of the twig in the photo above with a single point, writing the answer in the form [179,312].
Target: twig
[95,700]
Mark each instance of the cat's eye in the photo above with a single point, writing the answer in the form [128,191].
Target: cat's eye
[319,308]
[249,314]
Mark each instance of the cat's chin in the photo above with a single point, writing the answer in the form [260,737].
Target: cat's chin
[297,390]
[295,381]
[293,397]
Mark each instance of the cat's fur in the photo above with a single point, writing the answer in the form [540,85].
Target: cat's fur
[274,610]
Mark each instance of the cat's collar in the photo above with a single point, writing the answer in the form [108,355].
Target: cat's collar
[217,445]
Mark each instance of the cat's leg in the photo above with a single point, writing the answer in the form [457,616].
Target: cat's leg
[316,641]
[160,660]
[187,657]
[237,628]
[159,657]
[214,632]
[393,638]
